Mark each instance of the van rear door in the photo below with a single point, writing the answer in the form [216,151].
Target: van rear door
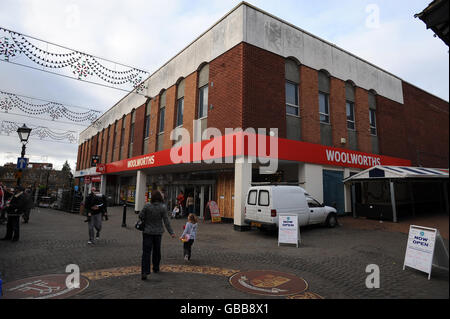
[250,205]
[264,206]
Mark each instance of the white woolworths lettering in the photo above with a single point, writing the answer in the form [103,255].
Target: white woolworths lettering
[148,160]
[338,157]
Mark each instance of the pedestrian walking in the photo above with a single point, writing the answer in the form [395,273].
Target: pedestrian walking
[190,204]
[188,236]
[104,206]
[2,203]
[93,205]
[29,206]
[153,215]
[180,202]
[14,209]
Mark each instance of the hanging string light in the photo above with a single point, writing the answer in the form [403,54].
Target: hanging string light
[10,101]
[42,132]
[79,65]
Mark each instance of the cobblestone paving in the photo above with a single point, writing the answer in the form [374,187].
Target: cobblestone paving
[332,261]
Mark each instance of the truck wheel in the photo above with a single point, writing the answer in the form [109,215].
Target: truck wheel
[331,221]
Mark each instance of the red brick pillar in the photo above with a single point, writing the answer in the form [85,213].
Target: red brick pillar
[362,120]
[338,114]
[309,105]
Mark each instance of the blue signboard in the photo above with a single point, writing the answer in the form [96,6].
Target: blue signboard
[22,163]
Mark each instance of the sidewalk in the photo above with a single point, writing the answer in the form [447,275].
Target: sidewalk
[331,261]
[440,222]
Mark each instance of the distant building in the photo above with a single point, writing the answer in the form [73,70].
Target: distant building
[40,175]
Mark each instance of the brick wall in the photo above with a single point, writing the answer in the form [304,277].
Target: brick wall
[338,115]
[169,120]
[362,120]
[392,133]
[426,121]
[116,146]
[309,105]
[264,90]
[190,103]
[139,125]
[154,122]
[104,146]
[226,90]
[79,157]
[126,140]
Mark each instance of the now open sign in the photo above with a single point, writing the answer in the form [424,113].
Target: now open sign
[420,248]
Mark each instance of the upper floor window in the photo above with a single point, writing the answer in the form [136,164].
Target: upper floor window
[324,109]
[162,112]
[292,105]
[373,122]
[147,119]
[180,110]
[203,102]
[203,85]
[350,106]
[292,76]
[133,119]
[180,103]
[324,97]
[372,112]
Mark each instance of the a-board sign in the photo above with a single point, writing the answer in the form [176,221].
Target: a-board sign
[425,249]
[288,230]
[214,211]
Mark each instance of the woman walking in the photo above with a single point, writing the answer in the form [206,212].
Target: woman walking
[153,215]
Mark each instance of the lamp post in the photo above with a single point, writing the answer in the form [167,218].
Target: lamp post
[24,134]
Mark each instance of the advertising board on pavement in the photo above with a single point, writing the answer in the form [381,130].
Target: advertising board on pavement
[288,230]
[423,251]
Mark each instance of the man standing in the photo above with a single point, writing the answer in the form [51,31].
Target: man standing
[14,210]
[29,206]
[94,209]
[2,203]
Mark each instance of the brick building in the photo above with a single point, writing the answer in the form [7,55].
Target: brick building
[335,113]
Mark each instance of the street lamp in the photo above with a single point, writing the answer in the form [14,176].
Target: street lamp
[24,134]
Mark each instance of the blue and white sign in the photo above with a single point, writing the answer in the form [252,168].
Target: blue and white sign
[420,248]
[288,230]
[22,163]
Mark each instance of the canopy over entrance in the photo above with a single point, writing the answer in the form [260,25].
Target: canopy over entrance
[390,192]
[398,172]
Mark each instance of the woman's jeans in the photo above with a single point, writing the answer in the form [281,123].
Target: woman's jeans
[151,247]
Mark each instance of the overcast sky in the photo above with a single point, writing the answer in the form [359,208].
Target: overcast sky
[146,34]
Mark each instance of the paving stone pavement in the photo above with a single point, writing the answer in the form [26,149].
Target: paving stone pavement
[332,261]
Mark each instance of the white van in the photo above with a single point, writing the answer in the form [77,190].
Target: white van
[264,204]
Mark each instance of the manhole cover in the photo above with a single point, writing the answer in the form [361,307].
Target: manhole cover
[42,287]
[268,282]
[306,295]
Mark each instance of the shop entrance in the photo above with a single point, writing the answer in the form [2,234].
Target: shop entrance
[201,191]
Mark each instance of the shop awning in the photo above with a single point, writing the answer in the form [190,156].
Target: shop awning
[398,172]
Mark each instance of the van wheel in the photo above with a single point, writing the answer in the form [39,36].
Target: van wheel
[331,221]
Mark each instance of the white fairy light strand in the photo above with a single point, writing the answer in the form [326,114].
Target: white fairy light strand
[81,65]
